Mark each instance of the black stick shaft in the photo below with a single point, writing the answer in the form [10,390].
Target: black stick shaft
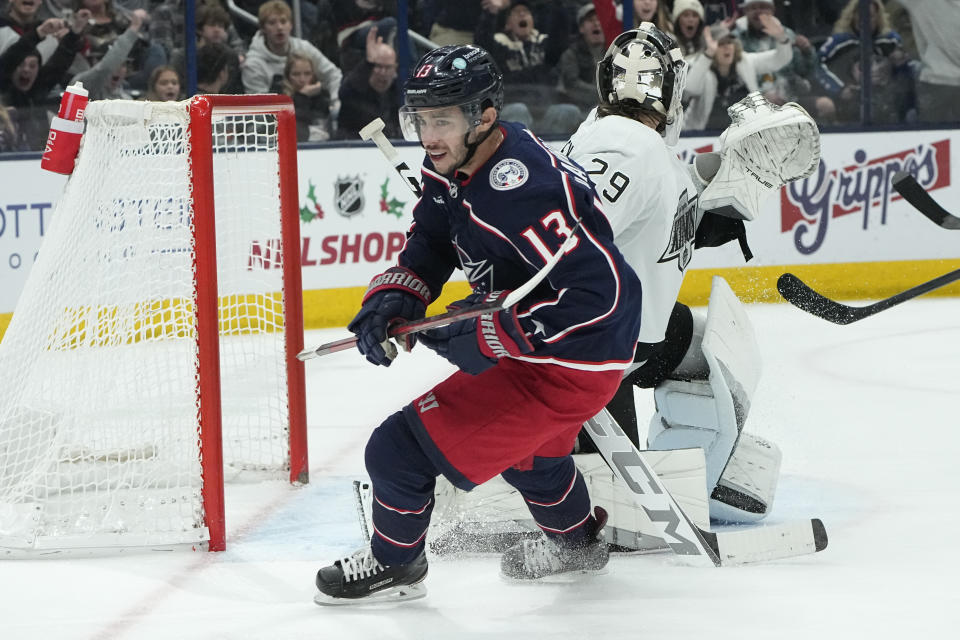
[799,294]
[908,187]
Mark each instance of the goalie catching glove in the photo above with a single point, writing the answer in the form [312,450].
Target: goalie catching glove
[475,344]
[396,295]
[765,147]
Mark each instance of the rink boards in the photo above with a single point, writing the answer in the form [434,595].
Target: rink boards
[843,229]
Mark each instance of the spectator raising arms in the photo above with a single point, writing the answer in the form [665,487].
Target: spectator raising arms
[20,17]
[107,24]
[370,91]
[106,79]
[262,70]
[797,80]
[889,73]
[310,100]
[725,74]
[352,20]
[25,83]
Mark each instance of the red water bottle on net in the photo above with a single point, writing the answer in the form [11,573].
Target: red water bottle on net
[66,130]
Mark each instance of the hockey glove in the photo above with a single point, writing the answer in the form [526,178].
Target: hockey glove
[475,344]
[396,295]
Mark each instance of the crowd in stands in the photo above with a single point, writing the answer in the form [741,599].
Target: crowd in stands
[343,71]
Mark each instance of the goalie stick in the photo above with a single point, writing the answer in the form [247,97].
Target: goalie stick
[686,539]
[800,295]
[908,187]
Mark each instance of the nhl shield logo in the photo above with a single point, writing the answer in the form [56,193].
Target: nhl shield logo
[348,195]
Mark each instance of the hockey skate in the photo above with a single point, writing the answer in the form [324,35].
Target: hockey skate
[360,578]
[535,559]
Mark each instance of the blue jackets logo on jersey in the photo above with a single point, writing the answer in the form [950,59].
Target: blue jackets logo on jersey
[508,174]
[479,272]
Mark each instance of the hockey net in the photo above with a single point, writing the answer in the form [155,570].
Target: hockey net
[152,348]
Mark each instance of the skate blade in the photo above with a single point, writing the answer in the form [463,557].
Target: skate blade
[393,594]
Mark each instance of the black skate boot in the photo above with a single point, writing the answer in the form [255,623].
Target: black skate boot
[361,578]
[535,559]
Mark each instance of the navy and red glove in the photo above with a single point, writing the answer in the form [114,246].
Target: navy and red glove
[475,344]
[396,295]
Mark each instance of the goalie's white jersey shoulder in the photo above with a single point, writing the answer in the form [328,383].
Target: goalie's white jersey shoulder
[650,200]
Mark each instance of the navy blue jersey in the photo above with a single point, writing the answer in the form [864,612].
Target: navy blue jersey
[501,224]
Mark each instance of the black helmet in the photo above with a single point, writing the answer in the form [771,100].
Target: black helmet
[453,75]
[462,76]
[644,68]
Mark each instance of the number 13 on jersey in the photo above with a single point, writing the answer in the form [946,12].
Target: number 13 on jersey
[553,221]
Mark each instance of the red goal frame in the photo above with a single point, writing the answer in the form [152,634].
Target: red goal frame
[202,110]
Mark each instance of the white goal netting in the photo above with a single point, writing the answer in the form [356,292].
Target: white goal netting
[99,390]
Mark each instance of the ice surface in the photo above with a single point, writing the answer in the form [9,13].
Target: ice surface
[867,416]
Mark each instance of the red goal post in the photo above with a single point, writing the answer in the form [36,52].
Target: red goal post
[154,344]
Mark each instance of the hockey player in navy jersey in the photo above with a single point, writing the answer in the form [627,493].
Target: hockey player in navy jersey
[498,204]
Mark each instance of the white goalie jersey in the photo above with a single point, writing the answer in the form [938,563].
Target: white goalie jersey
[650,200]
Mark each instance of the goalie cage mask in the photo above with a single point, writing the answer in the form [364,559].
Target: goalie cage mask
[645,68]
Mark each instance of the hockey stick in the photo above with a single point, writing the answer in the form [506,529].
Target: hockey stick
[358,491]
[908,187]
[686,539]
[415,326]
[800,295]
[374,131]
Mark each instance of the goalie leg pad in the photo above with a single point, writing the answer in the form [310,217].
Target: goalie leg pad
[689,414]
[746,488]
[493,514]
[710,413]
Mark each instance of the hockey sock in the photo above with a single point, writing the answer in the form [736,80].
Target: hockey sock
[403,480]
[557,497]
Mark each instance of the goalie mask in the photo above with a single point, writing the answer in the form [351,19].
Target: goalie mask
[645,68]
[463,77]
